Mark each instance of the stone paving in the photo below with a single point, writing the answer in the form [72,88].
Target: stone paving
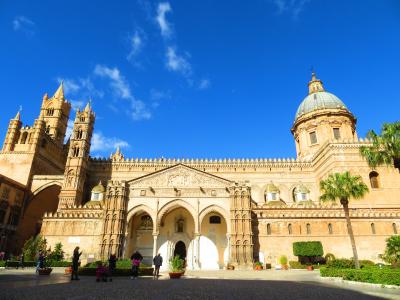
[24,284]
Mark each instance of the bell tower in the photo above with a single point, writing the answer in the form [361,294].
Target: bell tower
[13,133]
[78,158]
[55,112]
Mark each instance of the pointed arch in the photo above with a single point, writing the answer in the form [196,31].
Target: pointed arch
[176,204]
[217,209]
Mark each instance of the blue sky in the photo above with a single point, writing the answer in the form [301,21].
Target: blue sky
[207,79]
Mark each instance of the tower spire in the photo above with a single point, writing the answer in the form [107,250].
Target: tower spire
[18,115]
[315,85]
[59,94]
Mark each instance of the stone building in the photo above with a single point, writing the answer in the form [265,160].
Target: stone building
[212,212]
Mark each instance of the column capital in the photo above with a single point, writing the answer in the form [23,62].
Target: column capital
[155,234]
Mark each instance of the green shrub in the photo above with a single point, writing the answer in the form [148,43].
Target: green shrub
[176,264]
[33,246]
[392,251]
[63,263]
[2,263]
[343,263]
[57,254]
[309,249]
[329,257]
[379,276]
[121,264]
[283,260]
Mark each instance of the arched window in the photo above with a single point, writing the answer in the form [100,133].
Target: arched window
[268,229]
[75,151]
[215,220]
[308,226]
[330,229]
[180,225]
[50,111]
[290,231]
[394,226]
[82,118]
[374,179]
[48,129]
[79,134]
[373,228]
[24,137]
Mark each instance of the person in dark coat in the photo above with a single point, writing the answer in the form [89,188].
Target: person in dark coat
[112,263]
[21,261]
[157,261]
[136,258]
[75,263]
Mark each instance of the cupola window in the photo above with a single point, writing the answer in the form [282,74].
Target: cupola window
[98,192]
[313,138]
[271,193]
[336,133]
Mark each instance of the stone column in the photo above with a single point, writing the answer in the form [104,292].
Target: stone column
[197,251]
[155,237]
[228,245]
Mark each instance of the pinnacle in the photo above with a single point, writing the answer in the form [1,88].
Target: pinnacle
[59,94]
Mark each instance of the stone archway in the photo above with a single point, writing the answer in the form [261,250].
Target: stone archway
[177,228]
[44,200]
[139,233]
[213,244]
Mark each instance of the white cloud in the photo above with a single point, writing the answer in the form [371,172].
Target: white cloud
[136,44]
[68,132]
[177,63]
[121,88]
[117,81]
[101,143]
[293,7]
[204,84]
[76,104]
[22,23]
[165,27]
[70,85]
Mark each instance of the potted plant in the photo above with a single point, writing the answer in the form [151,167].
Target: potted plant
[177,267]
[310,268]
[258,266]
[230,267]
[68,270]
[283,260]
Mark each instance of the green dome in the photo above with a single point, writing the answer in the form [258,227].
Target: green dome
[99,188]
[318,101]
[301,188]
[271,188]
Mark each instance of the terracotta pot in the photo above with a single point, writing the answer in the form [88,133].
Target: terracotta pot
[68,270]
[258,268]
[310,268]
[45,271]
[285,267]
[175,275]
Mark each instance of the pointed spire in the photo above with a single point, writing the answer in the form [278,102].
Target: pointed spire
[45,97]
[18,116]
[88,106]
[59,94]
[315,85]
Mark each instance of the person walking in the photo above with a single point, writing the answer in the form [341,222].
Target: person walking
[75,263]
[40,263]
[112,263]
[136,258]
[21,261]
[157,261]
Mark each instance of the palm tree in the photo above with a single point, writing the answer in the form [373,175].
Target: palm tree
[342,187]
[385,148]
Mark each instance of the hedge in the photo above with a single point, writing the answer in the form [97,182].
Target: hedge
[344,263]
[313,248]
[121,264]
[379,276]
[298,265]
[27,264]
[90,271]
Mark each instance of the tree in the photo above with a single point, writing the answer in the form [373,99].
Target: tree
[33,246]
[57,254]
[343,187]
[385,148]
[392,251]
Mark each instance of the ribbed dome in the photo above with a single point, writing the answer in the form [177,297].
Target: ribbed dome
[317,101]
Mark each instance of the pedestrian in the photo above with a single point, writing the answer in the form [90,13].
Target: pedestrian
[136,258]
[112,263]
[101,272]
[75,263]
[40,263]
[157,261]
[21,261]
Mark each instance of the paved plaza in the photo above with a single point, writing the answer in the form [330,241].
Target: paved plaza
[24,284]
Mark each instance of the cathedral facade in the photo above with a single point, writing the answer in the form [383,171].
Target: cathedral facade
[211,212]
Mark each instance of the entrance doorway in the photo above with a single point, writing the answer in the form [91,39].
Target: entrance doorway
[180,249]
